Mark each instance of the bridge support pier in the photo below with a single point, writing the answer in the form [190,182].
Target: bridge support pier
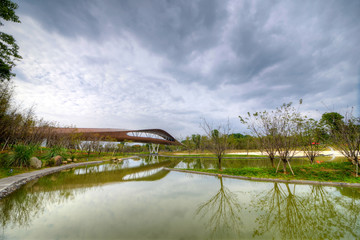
[154,149]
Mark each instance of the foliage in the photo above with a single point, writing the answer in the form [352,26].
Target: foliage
[18,126]
[332,120]
[310,140]
[55,151]
[21,155]
[4,158]
[345,137]
[276,131]
[8,47]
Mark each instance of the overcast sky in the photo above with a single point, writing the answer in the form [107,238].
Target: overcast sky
[136,64]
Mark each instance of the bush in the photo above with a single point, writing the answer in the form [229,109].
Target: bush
[4,160]
[56,150]
[50,162]
[22,155]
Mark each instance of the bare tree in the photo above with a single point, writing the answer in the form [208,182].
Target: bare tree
[218,139]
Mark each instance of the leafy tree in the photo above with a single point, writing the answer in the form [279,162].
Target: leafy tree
[332,120]
[277,132]
[188,144]
[8,47]
[310,139]
[345,137]
[196,138]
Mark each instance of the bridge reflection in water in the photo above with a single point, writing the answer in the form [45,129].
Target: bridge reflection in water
[148,169]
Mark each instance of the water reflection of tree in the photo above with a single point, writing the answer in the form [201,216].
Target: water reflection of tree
[28,202]
[317,214]
[25,204]
[351,202]
[223,211]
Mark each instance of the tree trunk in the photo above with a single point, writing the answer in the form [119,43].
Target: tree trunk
[272,161]
[284,165]
[219,158]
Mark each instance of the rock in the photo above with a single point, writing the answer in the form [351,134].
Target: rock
[64,162]
[75,160]
[69,160]
[57,160]
[35,162]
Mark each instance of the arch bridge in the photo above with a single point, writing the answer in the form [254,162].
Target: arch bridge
[154,137]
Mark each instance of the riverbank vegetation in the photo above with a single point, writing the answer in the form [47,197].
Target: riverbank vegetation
[327,172]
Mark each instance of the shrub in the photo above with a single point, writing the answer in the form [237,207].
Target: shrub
[51,162]
[56,150]
[22,154]
[4,160]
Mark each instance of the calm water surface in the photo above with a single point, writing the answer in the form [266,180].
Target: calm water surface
[137,199]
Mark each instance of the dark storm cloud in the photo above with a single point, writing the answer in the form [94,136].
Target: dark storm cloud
[69,18]
[257,37]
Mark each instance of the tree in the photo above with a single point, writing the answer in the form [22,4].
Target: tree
[276,132]
[196,138]
[310,139]
[345,137]
[258,124]
[188,144]
[332,120]
[8,47]
[218,139]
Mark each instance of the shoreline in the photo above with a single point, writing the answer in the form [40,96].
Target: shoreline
[12,183]
[305,182]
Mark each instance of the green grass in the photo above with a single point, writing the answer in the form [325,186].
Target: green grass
[328,172]
[5,171]
[212,155]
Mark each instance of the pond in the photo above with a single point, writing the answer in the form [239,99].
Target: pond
[137,199]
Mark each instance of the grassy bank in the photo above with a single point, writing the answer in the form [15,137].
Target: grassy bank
[328,172]
[11,171]
[210,155]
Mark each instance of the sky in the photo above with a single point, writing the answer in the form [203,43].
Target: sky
[138,64]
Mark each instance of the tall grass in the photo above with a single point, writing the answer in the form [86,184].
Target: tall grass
[56,150]
[21,155]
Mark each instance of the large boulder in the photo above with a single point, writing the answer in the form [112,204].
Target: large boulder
[35,162]
[57,160]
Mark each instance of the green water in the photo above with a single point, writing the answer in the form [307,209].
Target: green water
[139,200]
